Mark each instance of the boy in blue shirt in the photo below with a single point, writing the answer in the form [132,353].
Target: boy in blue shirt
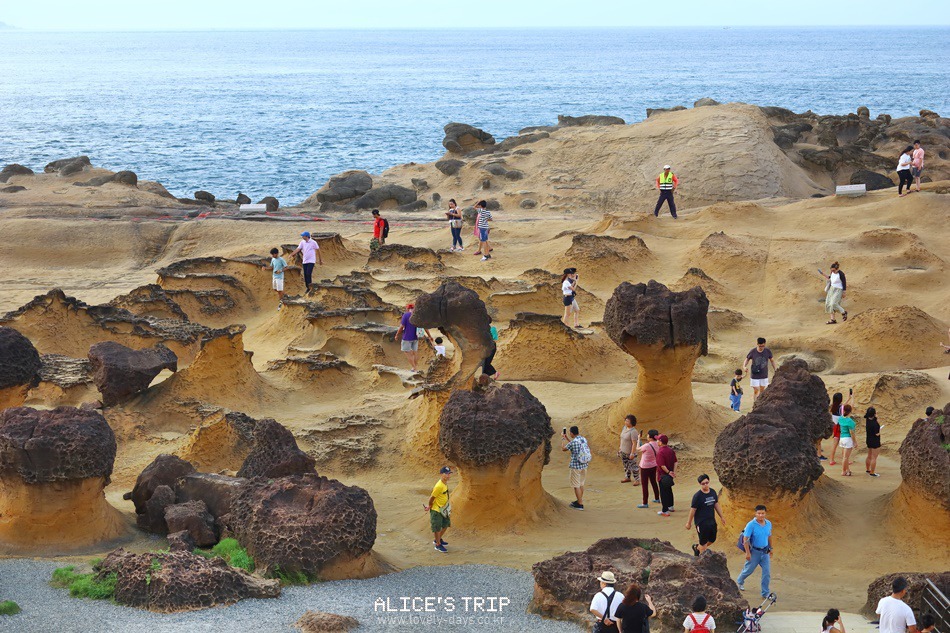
[758,549]
[277,265]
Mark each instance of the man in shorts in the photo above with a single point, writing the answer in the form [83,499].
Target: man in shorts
[277,265]
[917,164]
[438,509]
[760,357]
[408,337]
[580,459]
[703,511]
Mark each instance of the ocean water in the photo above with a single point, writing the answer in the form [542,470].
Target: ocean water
[278,112]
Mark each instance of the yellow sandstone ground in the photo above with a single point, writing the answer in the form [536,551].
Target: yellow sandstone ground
[758,264]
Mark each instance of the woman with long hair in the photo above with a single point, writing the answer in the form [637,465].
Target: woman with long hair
[873,430]
[903,170]
[632,615]
[648,468]
[629,443]
[835,286]
[837,406]
[455,225]
[569,290]
[832,623]
[846,422]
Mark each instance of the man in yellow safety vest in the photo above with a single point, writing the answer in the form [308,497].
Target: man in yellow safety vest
[666,182]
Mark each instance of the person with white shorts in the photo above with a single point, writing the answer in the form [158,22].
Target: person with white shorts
[277,265]
[760,357]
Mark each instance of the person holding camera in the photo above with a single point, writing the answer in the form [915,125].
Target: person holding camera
[757,542]
[454,214]
[569,290]
[832,623]
[580,460]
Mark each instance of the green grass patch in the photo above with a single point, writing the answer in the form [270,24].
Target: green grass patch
[232,553]
[292,577]
[946,447]
[84,585]
[9,607]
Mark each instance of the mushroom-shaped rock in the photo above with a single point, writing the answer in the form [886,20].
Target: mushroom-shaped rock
[881,587]
[163,472]
[274,453]
[500,439]
[565,583]
[342,188]
[666,332]
[768,455]
[925,474]
[180,581]
[20,367]
[304,523]
[461,138]
[378,196]
[54,467]
[121,372]
[462,316]
[320,622]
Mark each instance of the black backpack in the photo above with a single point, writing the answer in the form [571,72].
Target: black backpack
[385,228]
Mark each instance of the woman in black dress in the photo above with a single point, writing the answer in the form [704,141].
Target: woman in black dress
[874,441]
[631,614]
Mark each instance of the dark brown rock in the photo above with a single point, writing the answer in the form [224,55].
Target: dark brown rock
[192,517]
[342,188]
[59,445]
[180,581]
[478,428]
[320,622]
[461,138]
[274,453]
[20,363]
[872,180]
[770,451]
[271,202]
[881,587]
[587,120]
[302,523]
[565,584]
[153,519]
[12,189]
[121,372]
[181,542]
[459,313]
[647,314]
[925,460]
[449,166]
[68,166]
[217,492]
[242,199]
[207,196]
[12,170]
[165,470]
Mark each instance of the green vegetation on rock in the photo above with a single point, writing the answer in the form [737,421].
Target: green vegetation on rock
[82,585]
[232,553]
[9,607]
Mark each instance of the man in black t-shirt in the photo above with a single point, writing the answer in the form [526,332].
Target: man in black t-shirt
[760,357]
[703,511]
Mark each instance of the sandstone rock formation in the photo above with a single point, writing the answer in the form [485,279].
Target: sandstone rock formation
[14,169]
[320,622]
[461,138]
[768,455]
[461,315]
[68,166]
[602,260]
[274,453]
[921,504]
[389,196]
[410,258]
[121,372]
[221,442]
[342,189]
[881,587]
[500,439]
[665,332]
[304,523]
[564,584]
[54,467]
[157,480]
[20,367]
[180,581]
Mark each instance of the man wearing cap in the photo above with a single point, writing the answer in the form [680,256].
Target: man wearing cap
[605,603]
[439,509]
[310,252]
[666,182]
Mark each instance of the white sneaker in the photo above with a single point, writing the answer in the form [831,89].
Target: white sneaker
[279,306]
[485,258]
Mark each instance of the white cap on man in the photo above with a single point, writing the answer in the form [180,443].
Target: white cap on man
[666,167]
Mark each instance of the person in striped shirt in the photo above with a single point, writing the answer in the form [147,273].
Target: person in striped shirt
[481,224]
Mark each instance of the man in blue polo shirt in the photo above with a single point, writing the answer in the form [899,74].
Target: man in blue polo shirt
[758,549]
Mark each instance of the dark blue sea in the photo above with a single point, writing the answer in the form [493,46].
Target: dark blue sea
[278,112]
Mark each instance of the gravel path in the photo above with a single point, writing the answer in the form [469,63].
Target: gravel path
[46,609]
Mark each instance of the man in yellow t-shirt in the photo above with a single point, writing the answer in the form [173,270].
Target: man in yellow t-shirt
[439,521]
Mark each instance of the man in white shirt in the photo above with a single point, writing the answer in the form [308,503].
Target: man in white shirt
[605,603]
[896,616]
